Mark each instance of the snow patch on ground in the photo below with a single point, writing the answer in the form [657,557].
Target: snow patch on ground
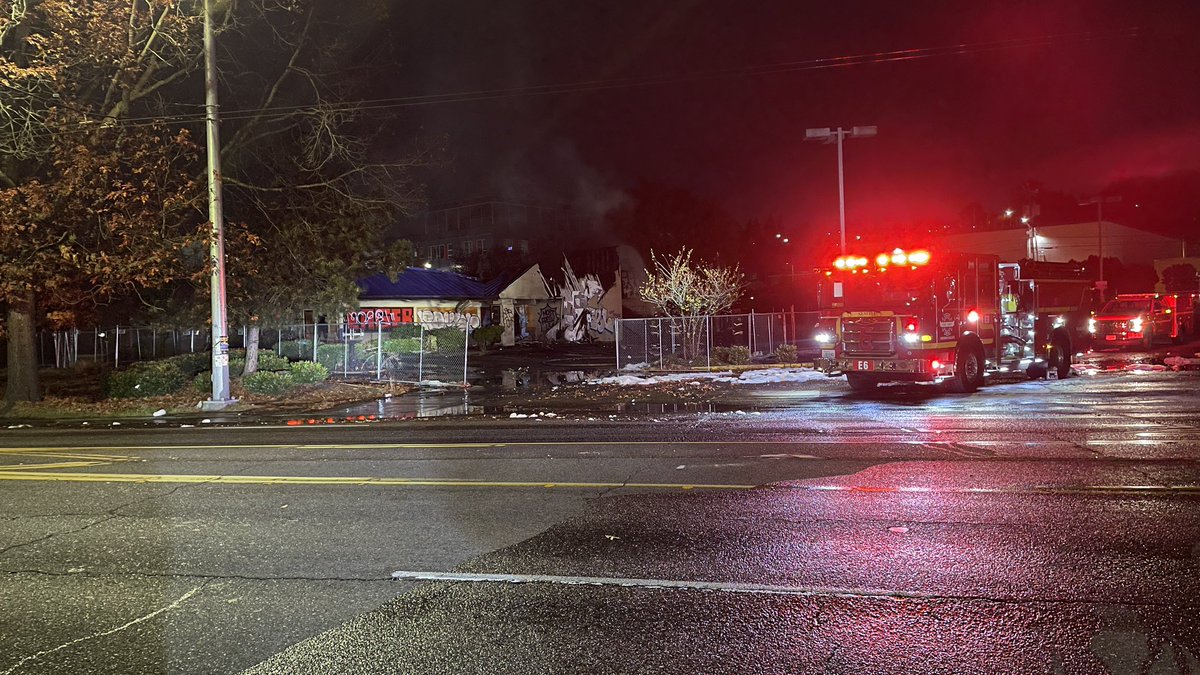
[1178,362]
[771,375]
[1088,369]
[762,376]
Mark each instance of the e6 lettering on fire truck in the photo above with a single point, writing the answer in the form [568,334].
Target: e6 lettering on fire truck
[948,317]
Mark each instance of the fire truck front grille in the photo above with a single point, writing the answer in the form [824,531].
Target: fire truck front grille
[1113,326]
[873,335]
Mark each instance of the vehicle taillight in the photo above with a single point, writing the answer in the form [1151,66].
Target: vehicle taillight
[911,324]
[973,316]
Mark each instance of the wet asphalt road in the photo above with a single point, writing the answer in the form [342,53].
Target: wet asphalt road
[1031,527]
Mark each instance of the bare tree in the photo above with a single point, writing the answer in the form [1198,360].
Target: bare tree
[687,291]
[679,286]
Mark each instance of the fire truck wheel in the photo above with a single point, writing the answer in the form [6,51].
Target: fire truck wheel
[1059,357]
[968,369]
[860,382]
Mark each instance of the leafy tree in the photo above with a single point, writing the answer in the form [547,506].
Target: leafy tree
[89,206]
[1180,278]
[307,200]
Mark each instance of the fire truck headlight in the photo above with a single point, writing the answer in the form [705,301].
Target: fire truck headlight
[911,338]
[823,338]
[1059,322]
[973,316]
[1091,325]
[1136,325]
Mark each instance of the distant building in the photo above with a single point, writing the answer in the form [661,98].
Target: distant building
[1064,243]
[573,306]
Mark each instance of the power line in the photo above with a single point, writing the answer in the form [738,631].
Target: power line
[584,86]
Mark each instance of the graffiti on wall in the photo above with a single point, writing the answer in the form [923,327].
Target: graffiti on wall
[581,318]
[547,318]
[391,317]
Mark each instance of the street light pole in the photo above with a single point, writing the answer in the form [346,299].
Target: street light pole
[216,245]
[829,135]
[1101,284]
[841,191]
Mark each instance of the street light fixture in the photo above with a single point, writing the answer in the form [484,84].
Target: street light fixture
[830,135]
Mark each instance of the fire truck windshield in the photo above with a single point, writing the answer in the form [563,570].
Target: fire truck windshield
[1125,306]
[892,290]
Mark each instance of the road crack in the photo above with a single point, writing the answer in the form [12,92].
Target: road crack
[99,634]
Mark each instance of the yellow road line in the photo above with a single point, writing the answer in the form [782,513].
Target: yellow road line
[50,465]
[343,480]
[370,446]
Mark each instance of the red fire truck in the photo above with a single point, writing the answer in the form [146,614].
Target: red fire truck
[1138,319]
[948,317]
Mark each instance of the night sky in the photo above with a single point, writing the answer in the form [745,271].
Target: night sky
[1101,103]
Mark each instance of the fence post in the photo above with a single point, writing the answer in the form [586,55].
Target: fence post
[750,334]
[660,345]
[421,358]
[618,329]
[646,341]
[466,350]
[708,341]
[345,352]
[673,348]
[379,351]
[770,333]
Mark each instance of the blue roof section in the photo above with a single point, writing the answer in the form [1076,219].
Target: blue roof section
[420,283]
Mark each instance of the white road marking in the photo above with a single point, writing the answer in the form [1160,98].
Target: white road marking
[674,584]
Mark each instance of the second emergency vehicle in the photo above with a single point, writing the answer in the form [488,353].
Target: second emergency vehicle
[1140,319]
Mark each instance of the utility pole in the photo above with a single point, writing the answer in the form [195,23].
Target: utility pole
[828,135]
[216,243]
[1101,284]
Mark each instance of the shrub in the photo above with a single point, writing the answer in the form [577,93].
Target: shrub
[331,356]
[734,356]
[203,382]
[151,378]
[448,338]
[406,330]
[406,345]
[296,350]
[303,372]
[268,382]
[272,361]
[785,353]
[487,336]
[193,363]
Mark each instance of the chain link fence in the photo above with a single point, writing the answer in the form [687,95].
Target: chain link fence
[408,353]
[682,343]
